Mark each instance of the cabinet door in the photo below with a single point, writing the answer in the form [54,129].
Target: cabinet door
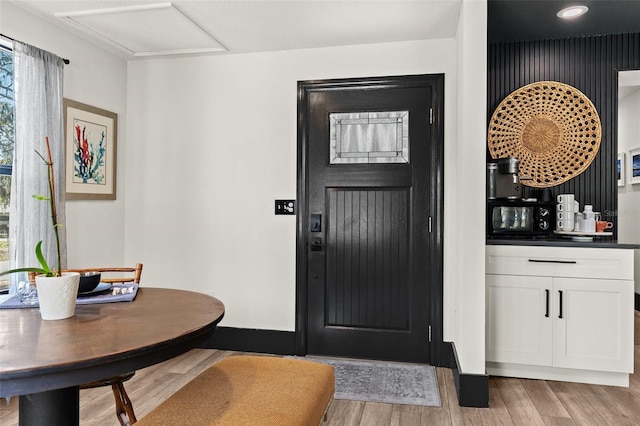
[593,324]
[519,324]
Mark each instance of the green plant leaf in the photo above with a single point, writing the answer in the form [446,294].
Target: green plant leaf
[37,270]
[41,258]
[52,205]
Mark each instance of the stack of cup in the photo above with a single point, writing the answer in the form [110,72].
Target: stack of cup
[565,212]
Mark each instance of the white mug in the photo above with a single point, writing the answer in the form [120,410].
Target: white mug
[565,224]
[565,207]
[566,198]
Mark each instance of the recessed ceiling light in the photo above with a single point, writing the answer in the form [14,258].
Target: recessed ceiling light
[572,12]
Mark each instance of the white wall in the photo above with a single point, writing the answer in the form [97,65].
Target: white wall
[466,232]
[216,140]
[95,229]
[629,195]
[205,144]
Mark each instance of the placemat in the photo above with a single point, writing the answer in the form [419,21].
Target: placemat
[107,296]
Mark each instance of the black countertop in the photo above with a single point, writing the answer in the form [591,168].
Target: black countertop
[598,242]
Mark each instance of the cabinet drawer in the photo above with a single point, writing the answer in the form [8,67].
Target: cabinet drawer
[568,262]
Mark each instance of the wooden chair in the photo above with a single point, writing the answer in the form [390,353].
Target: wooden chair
[124,408]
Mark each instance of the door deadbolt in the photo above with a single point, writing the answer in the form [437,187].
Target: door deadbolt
[315,222]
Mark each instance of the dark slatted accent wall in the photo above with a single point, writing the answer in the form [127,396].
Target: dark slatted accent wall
[361,223]
[589,64]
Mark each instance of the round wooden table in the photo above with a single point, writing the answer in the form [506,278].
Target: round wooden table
[44,362]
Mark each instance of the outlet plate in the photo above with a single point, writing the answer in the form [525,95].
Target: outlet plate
[285,206]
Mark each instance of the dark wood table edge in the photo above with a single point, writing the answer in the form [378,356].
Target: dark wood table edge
[60,405]
[19,383]
[49,395]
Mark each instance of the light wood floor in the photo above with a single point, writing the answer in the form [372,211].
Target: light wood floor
[512,401]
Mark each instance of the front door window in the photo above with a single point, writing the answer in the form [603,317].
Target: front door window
[369,137]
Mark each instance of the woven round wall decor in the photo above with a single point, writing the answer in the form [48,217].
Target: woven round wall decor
[552,128]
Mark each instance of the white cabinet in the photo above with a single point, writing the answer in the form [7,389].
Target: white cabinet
[519,330]
[594,326]
[560,313]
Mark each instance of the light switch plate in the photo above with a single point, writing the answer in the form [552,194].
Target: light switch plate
[285,206]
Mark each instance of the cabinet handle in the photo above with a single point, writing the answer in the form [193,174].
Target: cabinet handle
[546,312]
[570,262]
[560,298]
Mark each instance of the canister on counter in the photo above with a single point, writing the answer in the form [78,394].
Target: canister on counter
[492,171]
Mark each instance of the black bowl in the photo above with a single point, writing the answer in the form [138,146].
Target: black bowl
[88,281]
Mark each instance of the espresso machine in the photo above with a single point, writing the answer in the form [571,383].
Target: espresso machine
[503,180]
[509,214]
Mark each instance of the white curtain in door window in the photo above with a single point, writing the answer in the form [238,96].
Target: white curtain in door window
[38,101]
[369,137]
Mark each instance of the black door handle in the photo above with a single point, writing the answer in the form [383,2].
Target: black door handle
[560,297]
[546,311]
[317,245]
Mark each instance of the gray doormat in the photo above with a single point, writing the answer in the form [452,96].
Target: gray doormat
[380,381]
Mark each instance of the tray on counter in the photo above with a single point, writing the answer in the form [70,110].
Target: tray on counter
[583,236]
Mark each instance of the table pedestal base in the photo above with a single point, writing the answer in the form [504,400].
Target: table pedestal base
[60,407]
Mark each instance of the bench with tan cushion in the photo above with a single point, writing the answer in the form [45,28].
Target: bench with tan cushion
[251,390]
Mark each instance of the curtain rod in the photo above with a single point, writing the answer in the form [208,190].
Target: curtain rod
[66,61]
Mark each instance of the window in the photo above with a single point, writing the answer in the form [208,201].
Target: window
[7,136]
[369,137]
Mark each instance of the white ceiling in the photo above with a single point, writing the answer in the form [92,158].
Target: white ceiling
[154,28]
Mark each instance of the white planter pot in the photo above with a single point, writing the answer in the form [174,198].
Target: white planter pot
[57,295]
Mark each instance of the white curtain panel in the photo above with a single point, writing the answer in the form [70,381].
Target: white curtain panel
[38,98]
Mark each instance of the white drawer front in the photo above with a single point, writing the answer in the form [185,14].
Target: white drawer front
[560,262]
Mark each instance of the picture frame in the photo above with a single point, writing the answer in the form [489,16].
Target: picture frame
[621,169]
[90,135]
[634,166]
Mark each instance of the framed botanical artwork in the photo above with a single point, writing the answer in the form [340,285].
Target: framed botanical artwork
[620,169]
[90,148]
[634,165]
